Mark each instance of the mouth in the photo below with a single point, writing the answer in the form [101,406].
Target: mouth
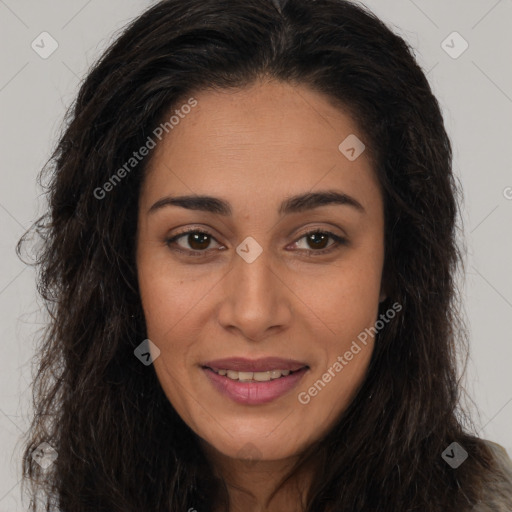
[264,376]
[262,365]
[254,382]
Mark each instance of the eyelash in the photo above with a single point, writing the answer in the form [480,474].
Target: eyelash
[340,241]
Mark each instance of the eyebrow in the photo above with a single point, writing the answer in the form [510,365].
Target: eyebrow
[292,204]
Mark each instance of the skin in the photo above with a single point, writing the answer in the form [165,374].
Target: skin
[253,148]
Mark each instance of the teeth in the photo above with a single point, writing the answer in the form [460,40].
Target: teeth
[257,376]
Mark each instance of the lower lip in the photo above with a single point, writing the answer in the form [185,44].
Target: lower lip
[254,393]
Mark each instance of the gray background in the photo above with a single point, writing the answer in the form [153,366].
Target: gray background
[474,90]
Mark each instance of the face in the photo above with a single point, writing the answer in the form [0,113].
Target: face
[283,261]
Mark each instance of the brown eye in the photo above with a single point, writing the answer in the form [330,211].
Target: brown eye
[317,242]
[198,242]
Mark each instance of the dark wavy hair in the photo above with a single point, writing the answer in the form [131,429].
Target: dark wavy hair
[121,445]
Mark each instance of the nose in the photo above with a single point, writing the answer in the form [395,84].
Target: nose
[256,300]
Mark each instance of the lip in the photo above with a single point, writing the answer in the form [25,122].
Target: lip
[254,393]
[264,364]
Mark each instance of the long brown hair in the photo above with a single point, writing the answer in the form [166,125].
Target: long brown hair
[120,445]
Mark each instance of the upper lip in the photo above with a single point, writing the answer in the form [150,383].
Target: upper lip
[254,365]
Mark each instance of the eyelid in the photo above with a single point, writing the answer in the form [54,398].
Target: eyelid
[339,240]
[190,252]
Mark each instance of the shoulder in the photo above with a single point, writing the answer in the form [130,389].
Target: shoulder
[497,495]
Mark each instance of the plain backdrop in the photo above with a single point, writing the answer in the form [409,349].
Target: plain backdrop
[473,86]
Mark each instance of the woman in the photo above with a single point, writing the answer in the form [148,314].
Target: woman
[249,260]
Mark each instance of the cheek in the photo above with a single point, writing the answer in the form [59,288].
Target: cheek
[346,301]
[168,310]
[166,296]
[166,303]
[343,296]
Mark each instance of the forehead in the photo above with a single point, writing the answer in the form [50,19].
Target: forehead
[274,138]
